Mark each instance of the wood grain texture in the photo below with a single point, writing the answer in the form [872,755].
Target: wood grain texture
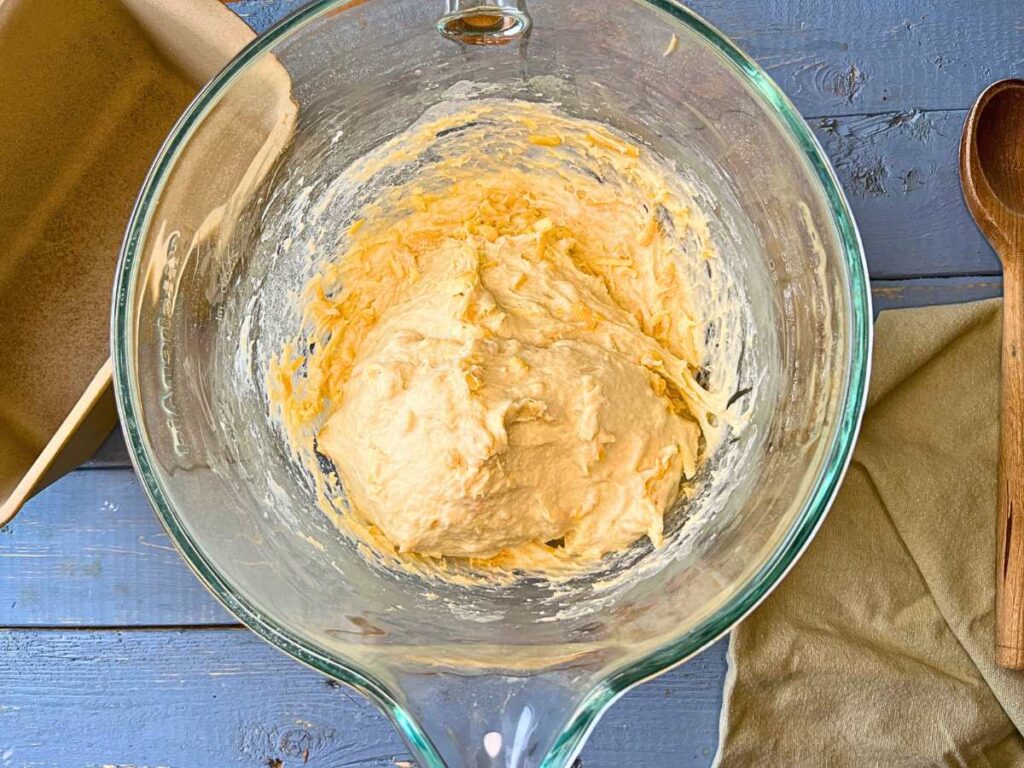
[223,698]
[992,174]
[863,56]
[886,87]
[899,171]
[1010,547]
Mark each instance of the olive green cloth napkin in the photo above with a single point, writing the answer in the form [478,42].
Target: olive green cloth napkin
[877,649]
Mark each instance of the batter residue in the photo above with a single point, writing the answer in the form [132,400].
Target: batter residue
[502,361]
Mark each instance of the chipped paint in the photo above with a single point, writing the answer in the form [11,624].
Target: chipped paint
[867,177]
[848,84]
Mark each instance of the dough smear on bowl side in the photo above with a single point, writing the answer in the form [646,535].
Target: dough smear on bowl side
[503,362]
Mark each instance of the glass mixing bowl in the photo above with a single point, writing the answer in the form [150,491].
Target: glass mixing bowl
[473,673]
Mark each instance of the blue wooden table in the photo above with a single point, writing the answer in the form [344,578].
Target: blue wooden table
[112,654]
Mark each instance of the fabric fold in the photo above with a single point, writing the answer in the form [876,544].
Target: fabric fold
[877,649]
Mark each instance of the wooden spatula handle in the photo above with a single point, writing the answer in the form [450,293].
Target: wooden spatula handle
[1010,551]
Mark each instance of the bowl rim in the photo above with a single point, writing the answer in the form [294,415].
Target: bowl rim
[746,597]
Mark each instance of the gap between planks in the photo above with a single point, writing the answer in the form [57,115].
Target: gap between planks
[884,112]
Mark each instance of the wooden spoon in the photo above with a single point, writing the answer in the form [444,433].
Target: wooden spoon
[992,175]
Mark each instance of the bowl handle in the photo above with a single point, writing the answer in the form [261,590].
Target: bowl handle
[485,22]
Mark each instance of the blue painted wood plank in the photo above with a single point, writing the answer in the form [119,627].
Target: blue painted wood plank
[89,551]
[900,173]
[260,15]
[866,56]
[223,698]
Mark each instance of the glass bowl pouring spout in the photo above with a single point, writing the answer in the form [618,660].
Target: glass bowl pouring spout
[477,674]
[496,720]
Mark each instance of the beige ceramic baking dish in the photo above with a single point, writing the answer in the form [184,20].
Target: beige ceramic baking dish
[89,90]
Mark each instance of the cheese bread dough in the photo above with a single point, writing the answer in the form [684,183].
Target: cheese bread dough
[502,360]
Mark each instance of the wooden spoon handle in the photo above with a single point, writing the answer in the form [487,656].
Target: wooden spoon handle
[1010,551]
